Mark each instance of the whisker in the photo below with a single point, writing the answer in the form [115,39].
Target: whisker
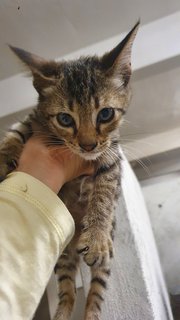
[138,141]
[141,163]
[146,169]
[136,134]
[62,151]
[136,153]
[110,156]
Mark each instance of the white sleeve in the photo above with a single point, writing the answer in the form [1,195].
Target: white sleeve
[35,227]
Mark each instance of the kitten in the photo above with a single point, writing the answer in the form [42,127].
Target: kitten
[81,104]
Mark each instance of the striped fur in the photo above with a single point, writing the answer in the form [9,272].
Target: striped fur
[83,89]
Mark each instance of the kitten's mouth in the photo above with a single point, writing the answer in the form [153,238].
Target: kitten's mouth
[87,155]
[90,155]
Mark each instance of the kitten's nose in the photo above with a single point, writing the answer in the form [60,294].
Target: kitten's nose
[88,147]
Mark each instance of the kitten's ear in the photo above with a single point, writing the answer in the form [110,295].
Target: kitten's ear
[117,62]
[43,71]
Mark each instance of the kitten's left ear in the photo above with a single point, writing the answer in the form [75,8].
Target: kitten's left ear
[117,62]
[43,71]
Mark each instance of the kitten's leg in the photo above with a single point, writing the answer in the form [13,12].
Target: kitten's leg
[12,145]
[66,269]
[99,279]
[95,242]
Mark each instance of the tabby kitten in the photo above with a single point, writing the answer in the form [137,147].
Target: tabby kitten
[81,104]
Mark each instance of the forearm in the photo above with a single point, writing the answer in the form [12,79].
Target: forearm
[35,228]
[103,199]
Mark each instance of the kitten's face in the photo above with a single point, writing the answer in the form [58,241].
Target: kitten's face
[85,107]
[82,102]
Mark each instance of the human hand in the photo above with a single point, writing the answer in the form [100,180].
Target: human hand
[51,165]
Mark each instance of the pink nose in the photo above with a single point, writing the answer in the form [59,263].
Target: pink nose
[88,147]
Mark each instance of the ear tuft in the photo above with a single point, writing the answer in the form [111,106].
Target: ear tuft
[43,85]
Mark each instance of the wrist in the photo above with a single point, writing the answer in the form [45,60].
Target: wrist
[49,178]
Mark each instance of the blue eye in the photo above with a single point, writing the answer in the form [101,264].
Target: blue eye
[65,119]
[105,115]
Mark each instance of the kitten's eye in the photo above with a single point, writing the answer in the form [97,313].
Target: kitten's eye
[65,119]
[105,115]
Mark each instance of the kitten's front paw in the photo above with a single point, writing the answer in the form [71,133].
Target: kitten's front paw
[95,246]
[6,165]
[92,316]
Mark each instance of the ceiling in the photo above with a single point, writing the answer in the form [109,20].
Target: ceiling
[57,27]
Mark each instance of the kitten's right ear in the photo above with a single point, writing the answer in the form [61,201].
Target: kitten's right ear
[43,71]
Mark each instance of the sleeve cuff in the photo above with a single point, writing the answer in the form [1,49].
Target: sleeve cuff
[39,195]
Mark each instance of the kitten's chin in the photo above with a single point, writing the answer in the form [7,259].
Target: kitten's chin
[91,156]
